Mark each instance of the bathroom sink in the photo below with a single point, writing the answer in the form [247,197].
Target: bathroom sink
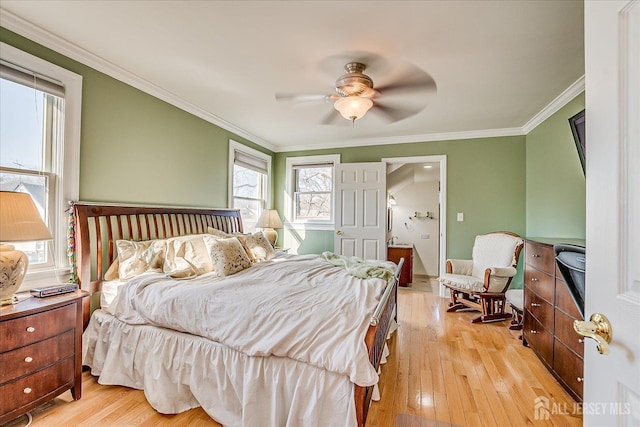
[401,245]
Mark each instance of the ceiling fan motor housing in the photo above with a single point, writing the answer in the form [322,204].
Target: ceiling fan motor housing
[355,82]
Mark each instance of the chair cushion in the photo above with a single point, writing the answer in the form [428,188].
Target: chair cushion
[515,297]
[494,250]
[463,282]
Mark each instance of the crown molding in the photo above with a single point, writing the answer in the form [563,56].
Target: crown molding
[406,139]
[47,39]
[561,100]
[26,29]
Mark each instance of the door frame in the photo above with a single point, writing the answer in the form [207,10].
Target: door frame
[442,243]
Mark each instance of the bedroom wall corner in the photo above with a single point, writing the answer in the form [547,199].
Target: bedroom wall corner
[556,185]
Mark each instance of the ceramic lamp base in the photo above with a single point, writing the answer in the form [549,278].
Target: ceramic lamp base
[13,267]
[271,235]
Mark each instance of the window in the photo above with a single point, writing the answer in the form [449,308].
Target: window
[39,147]
[249,182]
[310,185]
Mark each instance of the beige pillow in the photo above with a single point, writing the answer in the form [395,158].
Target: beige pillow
[217,233]
[137,257]
[228,256]
[112,271]
[187,256]
[257,247]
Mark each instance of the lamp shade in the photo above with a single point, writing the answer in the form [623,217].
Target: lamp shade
[353,107]
[269,219]
[19,219]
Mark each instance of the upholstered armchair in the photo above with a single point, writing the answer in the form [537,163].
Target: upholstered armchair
[480,283]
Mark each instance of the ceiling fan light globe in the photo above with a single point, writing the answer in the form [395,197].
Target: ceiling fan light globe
[353,107]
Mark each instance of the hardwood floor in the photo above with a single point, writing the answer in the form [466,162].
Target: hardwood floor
[443,371]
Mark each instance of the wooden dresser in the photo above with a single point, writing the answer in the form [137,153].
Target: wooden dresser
[40,352]
[394,253]
[549,312]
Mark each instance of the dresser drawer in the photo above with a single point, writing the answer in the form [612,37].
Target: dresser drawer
[564,332]
[36,356]
[540,283]
[30,329]
[30,388]
[538,338]
[540,256]
[540,309]
[569,367]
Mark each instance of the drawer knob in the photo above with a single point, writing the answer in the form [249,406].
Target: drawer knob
[28,359]
[580,340]
[535,304]
[31,329]
[533,331]
[580,379]
[535,255]
[534,279]
[27,390]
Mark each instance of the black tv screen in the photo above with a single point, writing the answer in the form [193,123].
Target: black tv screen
[577,128]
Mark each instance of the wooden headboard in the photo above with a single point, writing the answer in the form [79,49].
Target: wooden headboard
[98,226]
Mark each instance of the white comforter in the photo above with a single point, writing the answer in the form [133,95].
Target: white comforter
[297,307]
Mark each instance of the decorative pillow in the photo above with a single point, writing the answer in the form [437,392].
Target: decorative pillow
[112,271]
[228,256]
[186,256]
[137,257]
[257,247]
[217,233]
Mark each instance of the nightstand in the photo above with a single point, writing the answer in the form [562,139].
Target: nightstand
[40,352]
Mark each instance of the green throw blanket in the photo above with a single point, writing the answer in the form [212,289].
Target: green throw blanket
[358,267]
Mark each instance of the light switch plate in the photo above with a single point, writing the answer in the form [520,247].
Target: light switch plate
[460,216]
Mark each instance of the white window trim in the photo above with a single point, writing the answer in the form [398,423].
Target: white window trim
[236,146]
[70,170]
[290,188]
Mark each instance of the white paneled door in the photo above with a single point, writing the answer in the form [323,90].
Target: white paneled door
[612,74]
[361,210]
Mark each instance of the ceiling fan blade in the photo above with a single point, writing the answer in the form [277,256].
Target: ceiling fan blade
[332,118]
[395,114]
[411,81]
[301,97]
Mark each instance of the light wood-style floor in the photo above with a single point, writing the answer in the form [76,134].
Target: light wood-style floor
[443,371]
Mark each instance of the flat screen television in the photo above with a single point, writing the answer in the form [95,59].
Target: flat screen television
[577,128]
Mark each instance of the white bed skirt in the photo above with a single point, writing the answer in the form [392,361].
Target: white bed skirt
[178,371]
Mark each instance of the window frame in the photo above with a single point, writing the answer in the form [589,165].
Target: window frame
[236,146]
[296,162]
[66,163]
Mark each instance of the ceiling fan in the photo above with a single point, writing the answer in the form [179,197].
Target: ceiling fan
[356,94]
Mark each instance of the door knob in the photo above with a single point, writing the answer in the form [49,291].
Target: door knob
[597,328]
[339,233]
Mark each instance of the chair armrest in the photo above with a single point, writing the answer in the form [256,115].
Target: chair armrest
[503,271]
[460,266]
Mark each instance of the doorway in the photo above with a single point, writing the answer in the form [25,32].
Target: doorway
[418,187]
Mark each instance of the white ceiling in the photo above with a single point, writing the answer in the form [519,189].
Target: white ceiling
[497,64]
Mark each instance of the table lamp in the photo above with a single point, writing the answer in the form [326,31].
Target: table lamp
[269,219]
[19,222]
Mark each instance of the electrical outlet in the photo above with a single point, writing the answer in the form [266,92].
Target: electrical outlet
[460,217]
[425,236]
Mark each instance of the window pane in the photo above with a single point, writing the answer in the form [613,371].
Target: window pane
[250,211]
[36,186]
[246,183]
[313,206]
[314,179]
[21,126]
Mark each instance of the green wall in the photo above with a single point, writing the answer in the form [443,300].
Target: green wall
[555,182]
[137,148]
[485,181]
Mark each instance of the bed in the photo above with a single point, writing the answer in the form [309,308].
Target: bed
[219,360]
